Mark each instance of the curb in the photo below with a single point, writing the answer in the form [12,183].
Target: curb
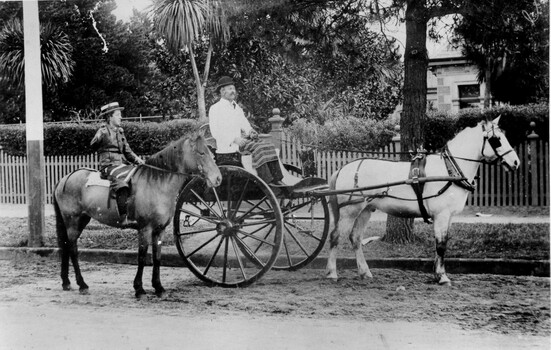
[515,267]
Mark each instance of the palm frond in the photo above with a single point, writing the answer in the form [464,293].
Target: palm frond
[180,22]
[55,50]
[217,27]
[12,57]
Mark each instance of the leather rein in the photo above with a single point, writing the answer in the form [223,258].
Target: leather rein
[455,173]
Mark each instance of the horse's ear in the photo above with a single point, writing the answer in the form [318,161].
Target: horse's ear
[496,121]
[203,129]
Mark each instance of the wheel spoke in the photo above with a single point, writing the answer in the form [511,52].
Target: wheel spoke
[244,216]
[220,206]
[228,196]
[302,230]
[213,256]
[295,208]
[240,200]
[299,206]
[296,240]
[201,247]
[255,223]
[259,229]
[256,238]
[225,260]
[287,251]
[267,234]
[205,203]
[188,233]
[252,254]
[238,259]
[195,215]
[265,199]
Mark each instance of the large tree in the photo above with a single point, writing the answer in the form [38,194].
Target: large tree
[418,15]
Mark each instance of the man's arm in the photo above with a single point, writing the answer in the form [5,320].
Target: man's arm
[246,127]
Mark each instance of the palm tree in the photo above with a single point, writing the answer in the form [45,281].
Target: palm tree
[55,50]
[183,23]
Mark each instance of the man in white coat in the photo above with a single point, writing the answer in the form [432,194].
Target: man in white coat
[233,133]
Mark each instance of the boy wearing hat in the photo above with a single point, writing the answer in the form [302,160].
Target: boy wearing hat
[234,133]
[114,151]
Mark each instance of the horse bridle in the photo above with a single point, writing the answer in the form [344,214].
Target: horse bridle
[201,172]
[495,142]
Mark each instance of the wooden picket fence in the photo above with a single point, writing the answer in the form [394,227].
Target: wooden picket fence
[529,186]
[13,174]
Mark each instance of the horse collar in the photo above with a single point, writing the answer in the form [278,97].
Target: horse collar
[455,171]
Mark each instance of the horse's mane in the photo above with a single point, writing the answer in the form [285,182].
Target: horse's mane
[168,157]
[467,121]
[164,163]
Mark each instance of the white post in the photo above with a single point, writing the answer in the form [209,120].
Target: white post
[34,124]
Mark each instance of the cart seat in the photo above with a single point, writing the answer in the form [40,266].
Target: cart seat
[247,159]
[288,178]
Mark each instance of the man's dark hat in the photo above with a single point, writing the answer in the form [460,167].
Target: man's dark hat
[224,81]
[108,108]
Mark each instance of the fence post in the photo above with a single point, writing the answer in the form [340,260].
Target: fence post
[534,181]
[396,141]
[277,132]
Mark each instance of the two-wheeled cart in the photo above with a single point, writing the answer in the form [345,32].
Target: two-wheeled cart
[232,235]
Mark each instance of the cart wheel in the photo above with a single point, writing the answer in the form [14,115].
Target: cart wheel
[231,235]
[306,226]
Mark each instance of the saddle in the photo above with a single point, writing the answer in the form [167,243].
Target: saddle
[117,179]
[416,171]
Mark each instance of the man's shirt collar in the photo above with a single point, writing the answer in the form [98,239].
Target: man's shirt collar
[227,103]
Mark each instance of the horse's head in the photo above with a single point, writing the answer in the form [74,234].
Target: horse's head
[200,159]
[499,148]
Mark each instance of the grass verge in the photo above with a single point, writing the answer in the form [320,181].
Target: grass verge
[466,240]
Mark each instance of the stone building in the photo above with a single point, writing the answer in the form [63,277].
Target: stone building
[452,83]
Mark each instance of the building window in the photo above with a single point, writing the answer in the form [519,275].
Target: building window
[469,96]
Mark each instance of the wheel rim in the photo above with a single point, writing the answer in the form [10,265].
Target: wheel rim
[231,235]
[306,227]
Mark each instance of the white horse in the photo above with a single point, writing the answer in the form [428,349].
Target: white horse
[442,199]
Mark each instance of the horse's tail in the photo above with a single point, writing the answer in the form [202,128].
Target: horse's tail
[334,215]
[61,229]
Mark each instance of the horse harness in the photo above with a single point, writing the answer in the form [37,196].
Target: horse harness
[417,170]
[417,178]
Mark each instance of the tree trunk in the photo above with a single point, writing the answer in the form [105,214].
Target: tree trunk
[399,230]
[201,109]
[201,104]
[412,121]
[488,87]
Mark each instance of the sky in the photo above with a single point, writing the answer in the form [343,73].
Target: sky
[124,8]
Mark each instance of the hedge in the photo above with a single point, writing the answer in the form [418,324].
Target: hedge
[358,134]
[74,139]
[515,122]
[343,133]
[339,133]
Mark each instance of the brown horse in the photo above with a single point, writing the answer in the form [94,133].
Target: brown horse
[151,204]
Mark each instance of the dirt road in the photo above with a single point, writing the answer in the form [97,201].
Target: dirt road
[300,310]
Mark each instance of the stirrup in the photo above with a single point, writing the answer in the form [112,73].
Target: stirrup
[125,221]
